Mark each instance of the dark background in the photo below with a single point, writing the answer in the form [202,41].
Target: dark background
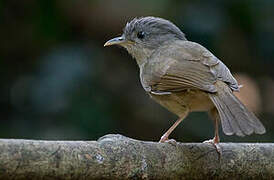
[59,82]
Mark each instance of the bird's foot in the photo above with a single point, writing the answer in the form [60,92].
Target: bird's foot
[164,139]
[215,142]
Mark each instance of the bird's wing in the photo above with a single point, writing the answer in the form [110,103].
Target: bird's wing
[191,67]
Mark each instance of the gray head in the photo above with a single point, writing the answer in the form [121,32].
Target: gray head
[143,35]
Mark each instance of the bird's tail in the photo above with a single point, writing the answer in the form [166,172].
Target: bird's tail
[234,116]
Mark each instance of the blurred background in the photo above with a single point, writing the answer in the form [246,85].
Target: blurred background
[59,82]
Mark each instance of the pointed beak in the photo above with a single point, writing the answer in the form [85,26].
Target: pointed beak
[115,41]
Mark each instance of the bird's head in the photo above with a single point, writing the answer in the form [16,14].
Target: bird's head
[141,36]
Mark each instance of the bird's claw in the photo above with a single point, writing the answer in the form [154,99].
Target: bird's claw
[164,139]
[170,141]
[216,144]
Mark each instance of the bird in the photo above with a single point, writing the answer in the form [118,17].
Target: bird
[184,77]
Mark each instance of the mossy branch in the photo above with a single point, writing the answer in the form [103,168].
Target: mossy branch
[119,157]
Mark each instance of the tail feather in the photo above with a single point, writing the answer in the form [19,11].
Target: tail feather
[235,118]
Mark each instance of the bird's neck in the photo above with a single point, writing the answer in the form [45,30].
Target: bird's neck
[142,56]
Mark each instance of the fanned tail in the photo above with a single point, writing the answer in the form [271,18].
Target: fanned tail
[235,117]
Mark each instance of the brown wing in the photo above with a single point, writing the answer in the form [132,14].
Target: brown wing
[191,67]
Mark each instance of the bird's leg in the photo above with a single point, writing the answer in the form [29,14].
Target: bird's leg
[215,141]
[164,138]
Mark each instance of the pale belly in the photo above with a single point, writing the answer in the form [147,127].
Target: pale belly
[181,103]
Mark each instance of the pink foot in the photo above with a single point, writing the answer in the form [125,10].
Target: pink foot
[164,139]
[215,143]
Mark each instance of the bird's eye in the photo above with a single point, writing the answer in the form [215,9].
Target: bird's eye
[141,35]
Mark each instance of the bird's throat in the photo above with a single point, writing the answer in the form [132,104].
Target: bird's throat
[141,55]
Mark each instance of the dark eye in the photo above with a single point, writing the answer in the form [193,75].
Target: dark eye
[140,35]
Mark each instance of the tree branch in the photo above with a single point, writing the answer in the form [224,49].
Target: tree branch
[119,157]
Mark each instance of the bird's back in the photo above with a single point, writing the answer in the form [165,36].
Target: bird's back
[184,65]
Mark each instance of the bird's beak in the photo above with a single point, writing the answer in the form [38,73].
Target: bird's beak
[115,41]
